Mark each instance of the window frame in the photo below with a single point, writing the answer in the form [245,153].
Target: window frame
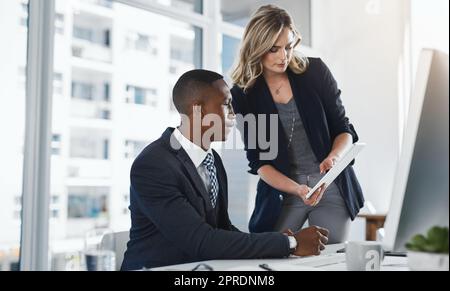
[37,148]
[34,249]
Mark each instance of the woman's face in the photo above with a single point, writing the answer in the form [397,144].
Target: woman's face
[276,61]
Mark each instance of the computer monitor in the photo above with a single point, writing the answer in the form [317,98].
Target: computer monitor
[420,193]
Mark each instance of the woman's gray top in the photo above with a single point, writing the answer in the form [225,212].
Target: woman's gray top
[301,157]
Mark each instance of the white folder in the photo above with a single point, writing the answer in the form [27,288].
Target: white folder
[338,168]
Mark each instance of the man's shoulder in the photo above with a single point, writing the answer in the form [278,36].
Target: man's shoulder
[154,154]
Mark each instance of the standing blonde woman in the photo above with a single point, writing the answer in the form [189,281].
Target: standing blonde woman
[313,130]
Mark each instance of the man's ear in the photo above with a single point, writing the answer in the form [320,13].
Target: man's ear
[199,108]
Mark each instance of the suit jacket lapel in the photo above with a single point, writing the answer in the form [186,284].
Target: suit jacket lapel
[190,171]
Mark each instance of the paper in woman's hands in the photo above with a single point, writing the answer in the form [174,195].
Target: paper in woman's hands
[332,174]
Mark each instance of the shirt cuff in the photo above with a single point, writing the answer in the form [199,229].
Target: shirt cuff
[292,243]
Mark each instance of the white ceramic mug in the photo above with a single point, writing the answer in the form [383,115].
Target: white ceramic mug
[363,255]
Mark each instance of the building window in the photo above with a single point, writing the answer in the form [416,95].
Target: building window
[89,146]
[54,213]
[88,202]
[133,148]
[105,149]
[104,3]
[106,92]
[83,33]
[56,144]
[81,90]
[59,23]
[102,37]
[24,14]
[58,84]
[142,96]
[195,6]
[185,48]
[181,49]
[142,42]
[89,91]
[54,199]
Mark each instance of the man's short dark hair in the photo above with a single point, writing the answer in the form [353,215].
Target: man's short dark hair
[190,88]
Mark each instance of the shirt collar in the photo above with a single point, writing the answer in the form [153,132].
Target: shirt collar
[195,153]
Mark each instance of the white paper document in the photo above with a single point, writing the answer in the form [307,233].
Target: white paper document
[338,168]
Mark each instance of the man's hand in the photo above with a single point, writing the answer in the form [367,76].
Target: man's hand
[311,241]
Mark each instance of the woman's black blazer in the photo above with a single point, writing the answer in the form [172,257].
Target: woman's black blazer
[319,104]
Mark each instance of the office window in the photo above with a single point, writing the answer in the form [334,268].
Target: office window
[230,50]
[241,13]
[183,5]
[118,73]
[185,50]
[13,66]
[234,158]
[182,48]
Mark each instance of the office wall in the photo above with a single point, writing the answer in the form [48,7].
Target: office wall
[362,42]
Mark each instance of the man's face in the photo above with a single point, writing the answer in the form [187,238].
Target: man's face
[218,112]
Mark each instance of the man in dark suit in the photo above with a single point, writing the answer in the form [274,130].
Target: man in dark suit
[179,190]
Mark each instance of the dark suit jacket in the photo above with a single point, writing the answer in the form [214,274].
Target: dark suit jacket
[318,101]
[173,221]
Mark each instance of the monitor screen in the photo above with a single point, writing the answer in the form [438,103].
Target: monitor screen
[420,193]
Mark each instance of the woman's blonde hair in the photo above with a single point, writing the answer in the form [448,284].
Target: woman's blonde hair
[260,35]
